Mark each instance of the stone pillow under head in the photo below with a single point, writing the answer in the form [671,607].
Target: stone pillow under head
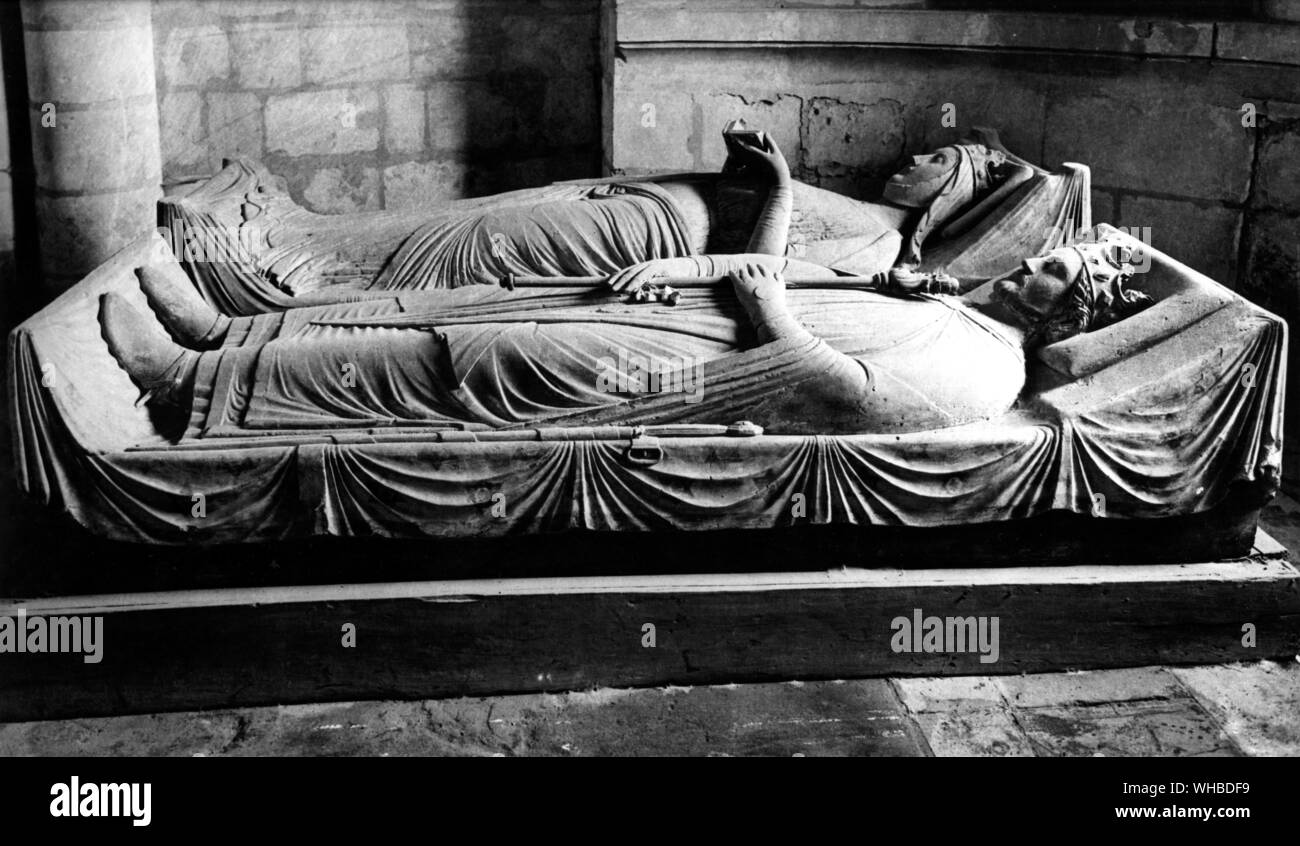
[1182,297]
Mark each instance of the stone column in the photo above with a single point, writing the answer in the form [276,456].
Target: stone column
[94,118]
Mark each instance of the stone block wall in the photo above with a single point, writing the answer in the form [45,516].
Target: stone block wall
[381,104]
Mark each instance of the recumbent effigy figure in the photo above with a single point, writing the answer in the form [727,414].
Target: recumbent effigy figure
[251,249]
[799,361]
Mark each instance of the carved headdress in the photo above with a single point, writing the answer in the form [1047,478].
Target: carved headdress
[972,176]
[1099,296]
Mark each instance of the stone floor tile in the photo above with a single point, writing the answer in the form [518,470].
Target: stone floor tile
[948,693]
[1257,704]
[181,734]
[1172,727]
[1096,686]
[974,732]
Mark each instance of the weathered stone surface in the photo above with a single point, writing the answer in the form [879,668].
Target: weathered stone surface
[851,718]
[1278,175]
[250,8]
[234,126]
[1258,704]
[321,12]
[323,122]
[1251,708]
[195,55]
[415,184]
[821,23]
[349,54]
[403,118]
[949,693]
[963,716]
[80,232]
[186,735]
[97,149]
[266,55]
[350,728]
[1204,152]
[870,136]
[1016,111]
[89,63]
[1176,727]
[1201,235]
[1255,41]
[183,136]
[823,718]
[652,131]
[111,14]
[1051,689]
[337,190]
[169,14]
[974,733]
[444,45]
[777,115]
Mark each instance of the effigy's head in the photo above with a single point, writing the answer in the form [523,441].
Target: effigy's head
[1073,289]
[966,168]
[942,183]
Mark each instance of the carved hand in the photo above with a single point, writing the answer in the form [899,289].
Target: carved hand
[905,280]
[754,281]
[767,162]
[761,291]
[631,278]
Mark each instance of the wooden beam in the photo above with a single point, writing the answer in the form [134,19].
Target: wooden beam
[236,647]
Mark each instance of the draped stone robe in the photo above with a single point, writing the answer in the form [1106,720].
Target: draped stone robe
[494,358]
[442,350]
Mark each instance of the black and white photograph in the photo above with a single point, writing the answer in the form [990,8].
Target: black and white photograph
[650,378]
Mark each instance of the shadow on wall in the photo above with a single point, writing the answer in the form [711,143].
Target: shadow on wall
[532,128]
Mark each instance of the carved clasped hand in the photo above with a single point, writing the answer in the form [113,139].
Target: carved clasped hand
[767,162]
[905,280]
[639,276]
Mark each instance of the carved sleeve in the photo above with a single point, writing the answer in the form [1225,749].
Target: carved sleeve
[772,231]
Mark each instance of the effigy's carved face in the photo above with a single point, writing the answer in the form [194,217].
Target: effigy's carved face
[1042,285]
[920,182]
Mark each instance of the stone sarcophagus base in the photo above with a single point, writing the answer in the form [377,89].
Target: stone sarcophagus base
[1174,413]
